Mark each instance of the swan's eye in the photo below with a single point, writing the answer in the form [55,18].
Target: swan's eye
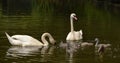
[15,38]
[74,15]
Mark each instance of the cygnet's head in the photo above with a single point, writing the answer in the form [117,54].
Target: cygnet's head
[108,44]
[96,39]
[73,15]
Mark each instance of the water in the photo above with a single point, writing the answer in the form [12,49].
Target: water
[95,18]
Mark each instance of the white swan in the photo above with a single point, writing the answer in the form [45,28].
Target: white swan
[74,35]
[26,40]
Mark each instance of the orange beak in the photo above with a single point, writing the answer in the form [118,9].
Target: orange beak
[75,18]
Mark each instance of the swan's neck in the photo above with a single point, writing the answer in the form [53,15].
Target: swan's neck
[96,43]
[43,38]
[71,23]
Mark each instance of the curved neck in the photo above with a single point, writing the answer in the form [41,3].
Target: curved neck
[49,37]
[71,23]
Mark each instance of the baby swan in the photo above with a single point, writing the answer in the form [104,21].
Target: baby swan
[26,40]
[83,44]
[100,48]
[99,45]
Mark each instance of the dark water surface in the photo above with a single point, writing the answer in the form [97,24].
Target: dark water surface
[34,17]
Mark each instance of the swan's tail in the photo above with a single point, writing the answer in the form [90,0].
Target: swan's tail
[9,38]
[81,32]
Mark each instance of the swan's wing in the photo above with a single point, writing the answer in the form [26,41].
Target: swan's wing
[69,36]
[22,38]
[81,32]
[27,40]
[78,35]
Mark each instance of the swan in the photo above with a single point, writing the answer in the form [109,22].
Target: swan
[100,48]
[26,40]
[74,35]
[83,44]
[101,45]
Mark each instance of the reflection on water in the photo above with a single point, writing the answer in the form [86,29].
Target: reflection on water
[71,48]
[21,52]
[12,8]
[101,55]
[72,52]
[74,48]
[16,51]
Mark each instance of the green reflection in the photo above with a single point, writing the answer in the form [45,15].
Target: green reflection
[96,18]
[0,8]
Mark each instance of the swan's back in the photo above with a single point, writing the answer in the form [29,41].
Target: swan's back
[86,44]
[76,35]
[23,38]
[26,40]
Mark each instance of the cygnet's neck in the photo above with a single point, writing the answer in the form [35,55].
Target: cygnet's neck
[97,43]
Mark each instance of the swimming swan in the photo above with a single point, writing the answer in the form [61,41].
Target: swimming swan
[84,44]
[100,49]
[26,40]
[101,45]
[74,35]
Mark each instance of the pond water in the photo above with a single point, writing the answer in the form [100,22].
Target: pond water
[95,18]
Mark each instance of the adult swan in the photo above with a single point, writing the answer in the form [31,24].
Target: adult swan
[26,40]
[74,35]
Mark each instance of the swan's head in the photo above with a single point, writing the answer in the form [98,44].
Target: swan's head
[73,16]
[96,40]
[108,45]
[52,41]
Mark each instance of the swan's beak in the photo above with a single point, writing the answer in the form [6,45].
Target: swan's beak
[54,42]
[75,18]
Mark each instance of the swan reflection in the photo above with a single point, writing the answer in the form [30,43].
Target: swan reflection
[102,52]
[17,51]
[70,47]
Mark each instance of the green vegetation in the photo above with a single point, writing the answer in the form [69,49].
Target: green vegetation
[92,14]
[0,8]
